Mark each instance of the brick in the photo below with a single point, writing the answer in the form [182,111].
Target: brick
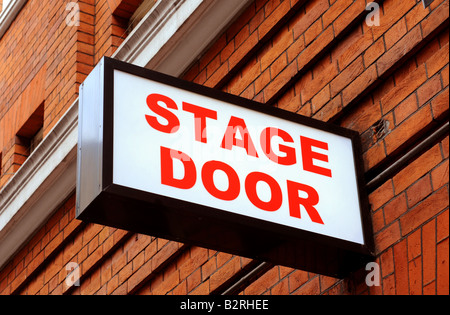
[315,47]
[401,268]
[348,15]
[295,49]
[346,76]
[202,289]
[374,52]
[408,129]
[243,34]
[225,272]
[361,83]
[425,210]
[125,273]
[442,287]
[247,78]
[429,89]
[429,252]
[442,224]
[323,75]
[437,61]
[327,282]
[256,20]
[311,287]
[304,20]
[414,245]
[278,65]
[395,208]
[283,40]
[445,147]
[417,169]
[381,195]
[387,237]
[281,288]
[264,283]
[334,11]
[435,19]
[320,99]
[391,13]
[440,175]
[430,288]
[313,31]
[416,15]
[399,50]
[387,263]
[198,257]
[194,280]
[440,104]
[389,285]
[415,277]
[180,289]
[281,80]
[352,47]
[169,282]
[445,76]
[139,275]
[405,109]
[262,81]
[271,20]
[418,191]
[330,109]
[397,31]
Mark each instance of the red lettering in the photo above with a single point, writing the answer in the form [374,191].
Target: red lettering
[276,198]
[295,201]
[266,145]
[229,140]
[200,115]
[167,176]
[309,155]
[233,180]
[173,124]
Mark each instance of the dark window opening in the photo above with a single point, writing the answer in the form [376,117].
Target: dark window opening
[426,3]
[29,136]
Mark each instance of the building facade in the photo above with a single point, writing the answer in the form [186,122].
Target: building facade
[380,68]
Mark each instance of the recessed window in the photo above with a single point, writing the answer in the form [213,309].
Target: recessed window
[36,139]
[29,136]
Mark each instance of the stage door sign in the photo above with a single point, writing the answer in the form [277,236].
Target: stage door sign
[172,159]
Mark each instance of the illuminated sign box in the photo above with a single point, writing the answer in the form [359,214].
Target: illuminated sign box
[161,156]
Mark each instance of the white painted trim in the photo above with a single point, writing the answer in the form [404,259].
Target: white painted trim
[9,13]
[175,33]
[169,38]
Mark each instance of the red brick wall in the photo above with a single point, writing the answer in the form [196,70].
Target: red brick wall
[317,58]
[44,60]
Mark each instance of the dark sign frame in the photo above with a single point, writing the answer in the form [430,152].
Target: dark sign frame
[101,201]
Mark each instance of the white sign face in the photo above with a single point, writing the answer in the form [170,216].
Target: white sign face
[183,145]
